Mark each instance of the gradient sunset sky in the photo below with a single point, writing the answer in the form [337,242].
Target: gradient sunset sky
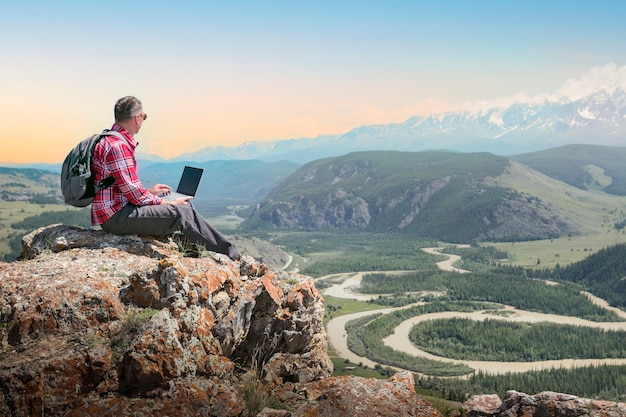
[228,72]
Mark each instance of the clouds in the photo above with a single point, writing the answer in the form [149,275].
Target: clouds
[606,77]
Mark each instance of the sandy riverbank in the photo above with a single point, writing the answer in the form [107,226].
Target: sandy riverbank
[448,264]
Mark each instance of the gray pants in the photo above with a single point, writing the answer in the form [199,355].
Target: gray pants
[164,219]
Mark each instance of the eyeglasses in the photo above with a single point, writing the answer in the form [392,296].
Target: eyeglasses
[142,115]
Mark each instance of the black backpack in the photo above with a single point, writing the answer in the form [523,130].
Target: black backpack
[77,183]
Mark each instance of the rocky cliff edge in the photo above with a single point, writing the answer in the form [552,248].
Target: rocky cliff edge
[93,324]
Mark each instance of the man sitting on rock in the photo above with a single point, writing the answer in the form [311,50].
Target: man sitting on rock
[127,207]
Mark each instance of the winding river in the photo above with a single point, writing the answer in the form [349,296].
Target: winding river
[400,341]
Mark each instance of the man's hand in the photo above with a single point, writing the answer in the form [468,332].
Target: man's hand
[161,189]
[181,201]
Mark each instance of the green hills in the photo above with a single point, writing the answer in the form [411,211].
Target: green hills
[566,192]
[583,166]
[452,197]
[601,273]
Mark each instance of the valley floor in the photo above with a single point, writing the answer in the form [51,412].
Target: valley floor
[400,341]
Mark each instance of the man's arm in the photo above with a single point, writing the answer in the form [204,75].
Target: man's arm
[121,163]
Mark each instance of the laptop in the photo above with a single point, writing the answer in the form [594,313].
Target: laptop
[188,184]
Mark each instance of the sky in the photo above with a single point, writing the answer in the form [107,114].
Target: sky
[221,73]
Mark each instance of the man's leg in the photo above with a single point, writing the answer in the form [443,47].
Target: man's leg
[197,230]
[164,219]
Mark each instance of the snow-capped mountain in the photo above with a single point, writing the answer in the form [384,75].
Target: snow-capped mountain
[599,118]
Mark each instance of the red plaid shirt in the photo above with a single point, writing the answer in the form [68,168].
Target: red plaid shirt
[116,157]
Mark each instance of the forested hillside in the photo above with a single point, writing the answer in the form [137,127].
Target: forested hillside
[603,273]
[443,195]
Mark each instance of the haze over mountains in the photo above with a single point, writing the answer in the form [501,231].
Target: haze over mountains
[598,118]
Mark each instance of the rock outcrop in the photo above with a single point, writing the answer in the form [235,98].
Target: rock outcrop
[544,404]
[93,324]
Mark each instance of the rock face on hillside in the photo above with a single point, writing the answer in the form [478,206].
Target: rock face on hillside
[93,324]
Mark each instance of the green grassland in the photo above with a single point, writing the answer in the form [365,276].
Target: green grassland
[12,213]
[15,212]
[336,307]
[24,195]
[562,251]
[593,211]
[583,166]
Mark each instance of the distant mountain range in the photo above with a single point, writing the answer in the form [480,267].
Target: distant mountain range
[596,119]
[599,119]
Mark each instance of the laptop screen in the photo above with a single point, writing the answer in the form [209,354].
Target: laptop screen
[189,181]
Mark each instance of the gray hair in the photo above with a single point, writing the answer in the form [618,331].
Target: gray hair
[126,108]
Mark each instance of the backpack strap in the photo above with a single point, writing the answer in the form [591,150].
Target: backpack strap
[108,132]
[107,182]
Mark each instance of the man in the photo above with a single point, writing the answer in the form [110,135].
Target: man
[127,207]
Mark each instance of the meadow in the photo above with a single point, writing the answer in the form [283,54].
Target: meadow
[18,218]
[595,212]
